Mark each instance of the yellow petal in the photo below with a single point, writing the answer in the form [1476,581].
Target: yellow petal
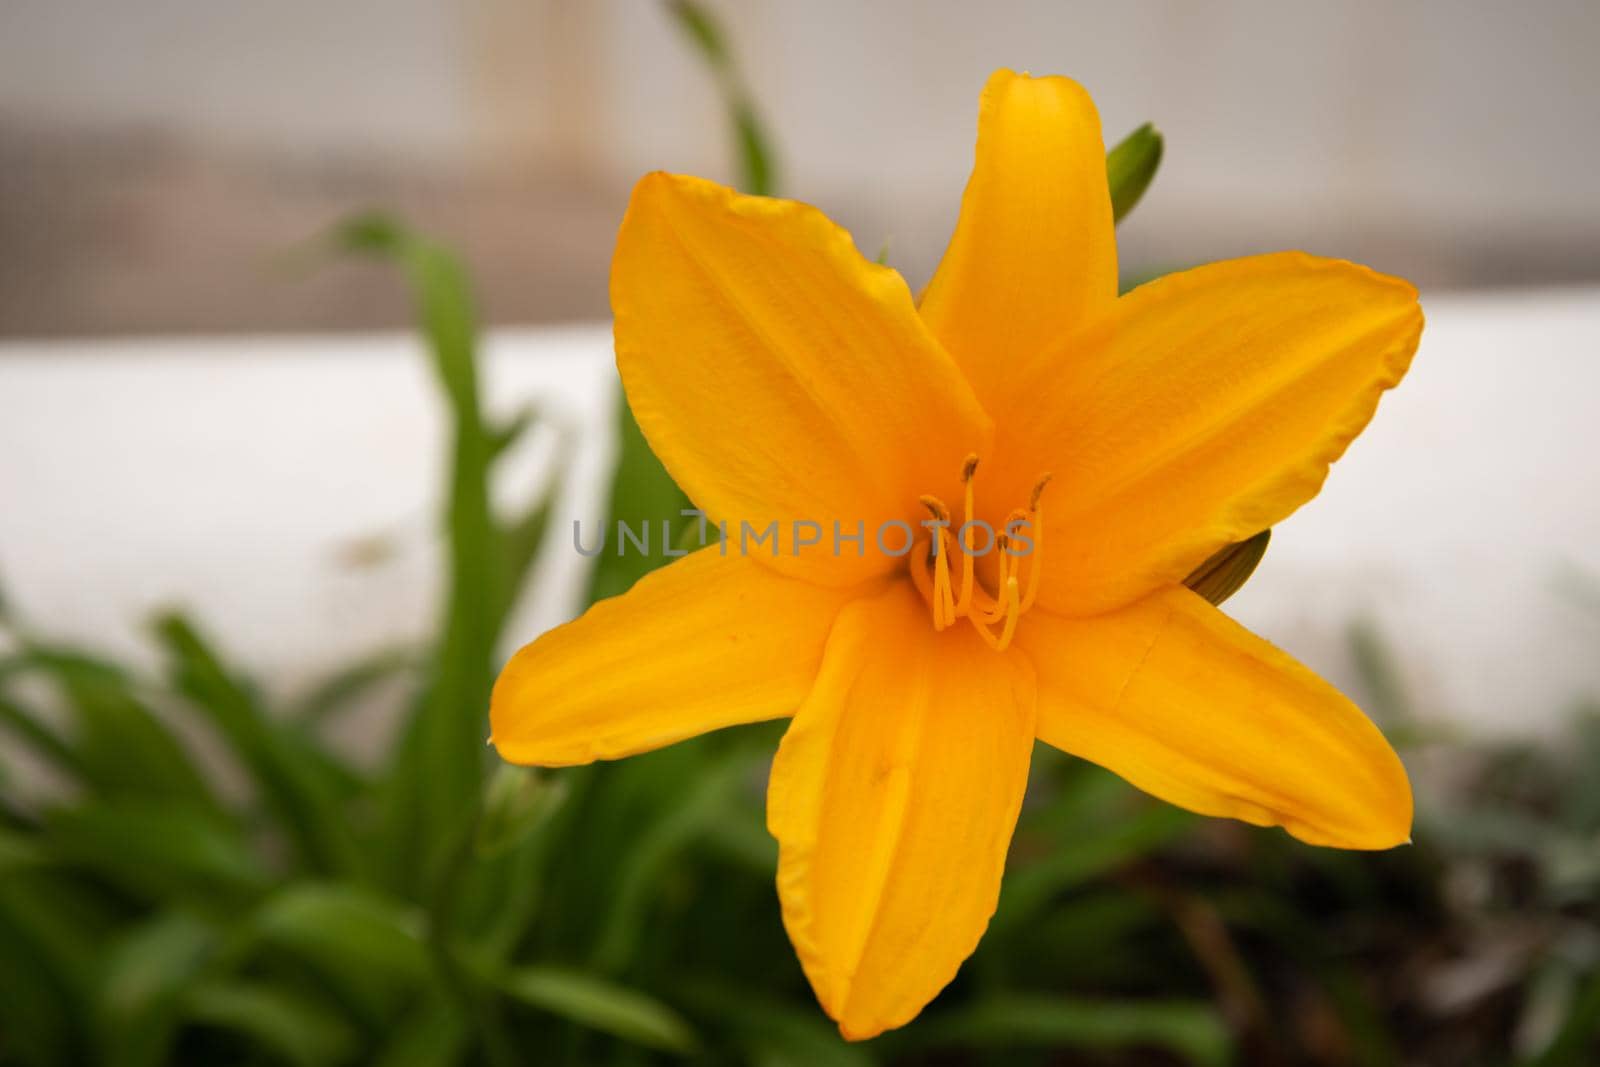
[1207,409]
[1034,256]
[778,374]
[893,798]
[706,642]
[1188,705]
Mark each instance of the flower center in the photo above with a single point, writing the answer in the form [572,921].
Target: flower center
[1018,546]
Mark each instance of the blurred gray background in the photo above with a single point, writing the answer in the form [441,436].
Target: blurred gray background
[156,156]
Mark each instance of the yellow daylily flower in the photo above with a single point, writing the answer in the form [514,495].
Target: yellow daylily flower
[780,375]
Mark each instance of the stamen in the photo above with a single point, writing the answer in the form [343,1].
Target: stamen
[1013,613]
[944,611]
[1038,540]
[993,609]
[932,571]
[964,601]
[920,558]
[1038,491]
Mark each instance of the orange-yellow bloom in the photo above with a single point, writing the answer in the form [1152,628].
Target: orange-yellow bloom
[779,375]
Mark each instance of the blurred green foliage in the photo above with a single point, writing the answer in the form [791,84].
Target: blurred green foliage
[204,878]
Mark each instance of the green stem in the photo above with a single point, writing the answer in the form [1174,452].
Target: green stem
[479,1003]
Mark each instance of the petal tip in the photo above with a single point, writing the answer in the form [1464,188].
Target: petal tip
[851,1032]
[1003,80]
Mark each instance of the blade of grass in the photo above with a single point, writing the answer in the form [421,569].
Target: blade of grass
[1190,1029]
[643,495]
[345,688]
[29,727]
[277,1018]
[438,770]
[146,974]
[773,1032]
[521,540]
[757,169]
[683,819]
[291,775]
[158,851]
[49,939]
[368,949]
[122,748]
[1086,855]
[433,1036]
[601,1005]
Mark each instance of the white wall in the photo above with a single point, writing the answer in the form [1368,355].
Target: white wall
[1472,121]
[233,476]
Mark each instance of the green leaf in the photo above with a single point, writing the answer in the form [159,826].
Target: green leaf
[59,918]
[46,745]
[703,32]
[601,1005]
[120,746]
[344,689]
[19,852]
[687,819]
[282,1020]
[643,495]
[145,976]
[157,850]
[438,770]
[128,751]
[292,776]
[1225,573]
[518,838]
[367,947]
[1075,859]
[433,1036]
[522,538]
[773,1032]
[50,938]
[1573,1043]
[508,433]
[1131,166]
[755,150]
[756,168]
[38,1021]
[1189,1029]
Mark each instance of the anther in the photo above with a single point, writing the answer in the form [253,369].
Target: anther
[1038,491]
[944,609]
[933,572]
[1038,542]
[963,600]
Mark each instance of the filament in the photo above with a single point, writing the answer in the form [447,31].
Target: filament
[994,616]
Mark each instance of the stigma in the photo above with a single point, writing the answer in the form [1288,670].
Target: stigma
[994,613]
